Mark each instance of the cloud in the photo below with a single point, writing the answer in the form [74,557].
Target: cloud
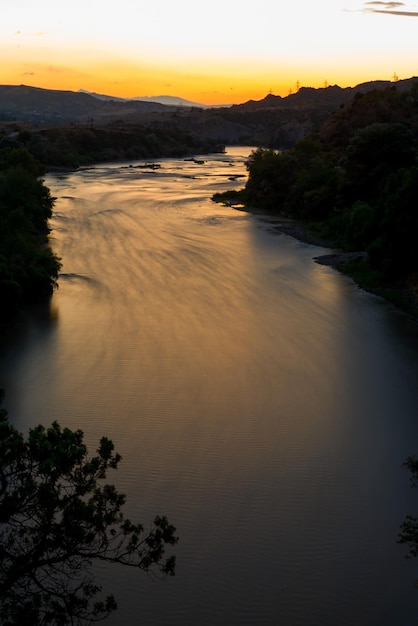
[387,5]
[388,8]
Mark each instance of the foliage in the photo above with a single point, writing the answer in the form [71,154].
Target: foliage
[271,175]
[395,247]
[363,195]
[28,267]
[75,145]
[315,192]
[299,182]
[358,225]
[409,528]
[56,519]
[375,152]
[393,105]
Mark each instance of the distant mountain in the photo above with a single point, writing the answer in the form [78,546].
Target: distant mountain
[329,97]
[279,122]
[101,96]
[274,122]
[36,105]
[170,101]
[179,102]
[167,100]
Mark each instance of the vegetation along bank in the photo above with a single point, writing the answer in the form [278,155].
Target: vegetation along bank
[354,186]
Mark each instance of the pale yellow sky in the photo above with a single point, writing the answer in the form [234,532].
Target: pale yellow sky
[213,52]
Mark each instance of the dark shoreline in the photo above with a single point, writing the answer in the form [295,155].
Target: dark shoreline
[402,296]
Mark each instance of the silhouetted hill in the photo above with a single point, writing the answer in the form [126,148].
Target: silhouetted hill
[274,122]
[277,122]
[355,182]
[329,97]
[167,100]
[393,104]
[36,105]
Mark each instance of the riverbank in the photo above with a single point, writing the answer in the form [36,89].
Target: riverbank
[404,295]
[187,339]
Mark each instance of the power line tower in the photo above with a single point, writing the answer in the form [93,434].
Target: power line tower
[395,77]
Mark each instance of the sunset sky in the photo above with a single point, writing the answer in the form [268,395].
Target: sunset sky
[212,52]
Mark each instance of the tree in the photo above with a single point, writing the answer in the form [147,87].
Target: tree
[395,251]
[56,519]
[409,528]
[28,267]
[316,190]
[375,152]
[271,174]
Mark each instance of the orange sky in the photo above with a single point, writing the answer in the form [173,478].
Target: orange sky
[216,52]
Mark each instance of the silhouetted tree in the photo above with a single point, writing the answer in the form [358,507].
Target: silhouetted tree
[28,267]
[395,249]
[375,152]
[56,519]
[271,175]
[409,528]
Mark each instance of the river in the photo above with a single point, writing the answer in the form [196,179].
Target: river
[260,400]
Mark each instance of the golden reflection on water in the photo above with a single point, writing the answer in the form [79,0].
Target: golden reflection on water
[243,384]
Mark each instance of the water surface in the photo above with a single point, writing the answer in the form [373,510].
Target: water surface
[259,400]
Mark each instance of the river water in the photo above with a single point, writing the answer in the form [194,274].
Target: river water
[261,401]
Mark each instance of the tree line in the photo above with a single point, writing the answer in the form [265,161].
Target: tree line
[73,145]
[28,267]
[361,196]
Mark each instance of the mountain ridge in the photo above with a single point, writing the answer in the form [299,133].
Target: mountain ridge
[274,121]
[37,104]
[161,99]
[330,95]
